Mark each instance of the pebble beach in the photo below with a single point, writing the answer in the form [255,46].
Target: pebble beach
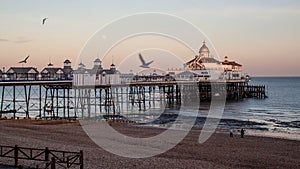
[219,151]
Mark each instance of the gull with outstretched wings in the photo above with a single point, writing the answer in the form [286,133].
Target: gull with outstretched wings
[25,60]
[144,64]
[7,107]
[44,21]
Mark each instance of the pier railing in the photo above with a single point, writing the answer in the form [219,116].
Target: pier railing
[52,158]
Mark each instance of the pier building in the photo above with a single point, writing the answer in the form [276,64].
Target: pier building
[52,73]
[203,65]
[96,75]
[32,74]
[22,73]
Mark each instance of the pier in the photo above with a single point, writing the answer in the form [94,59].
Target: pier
[97,92]
[61,100]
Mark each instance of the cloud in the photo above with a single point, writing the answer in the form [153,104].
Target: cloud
[4,40]
[22,41]
[18,40]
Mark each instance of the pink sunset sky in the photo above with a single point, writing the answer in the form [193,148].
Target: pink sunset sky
[262,35]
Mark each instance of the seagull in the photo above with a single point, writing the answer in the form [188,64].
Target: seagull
[21,107]
[7,107]
[44,20]
[33,104]
[25,60]
[144,64]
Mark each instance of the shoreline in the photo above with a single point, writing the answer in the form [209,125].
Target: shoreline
[219,151]
[252,132]
[222,130]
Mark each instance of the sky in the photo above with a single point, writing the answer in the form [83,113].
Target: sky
[263,35]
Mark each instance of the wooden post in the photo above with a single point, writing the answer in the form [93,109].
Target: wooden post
[14,100]
[64,102]
[52,102]
[2,100]
[68,161]
[95,102]
[16,150]
[46,154]
[68,103]
[40,101]
[138,90]
[57,103]
[52,163]
[81,159]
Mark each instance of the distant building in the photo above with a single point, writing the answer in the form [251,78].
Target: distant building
[31,73]
[205,66]
[232,70]
[203,61]
[96,75]
[52,73]
[57,73]
[22,73]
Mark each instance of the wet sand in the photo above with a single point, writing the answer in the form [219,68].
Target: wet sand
[220,151]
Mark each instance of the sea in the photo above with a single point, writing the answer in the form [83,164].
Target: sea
[279,114]
[276,116]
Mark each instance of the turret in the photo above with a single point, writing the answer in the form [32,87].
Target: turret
[113,67]
[226,59]
[97,65]
[204,51]
[67,64]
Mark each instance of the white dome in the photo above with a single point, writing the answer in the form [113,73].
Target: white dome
[203,48]
[204,51]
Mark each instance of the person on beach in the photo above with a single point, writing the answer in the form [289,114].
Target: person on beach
[231,133]
[242,133]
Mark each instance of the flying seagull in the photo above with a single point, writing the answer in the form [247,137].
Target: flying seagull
[7,107]
[25,60]
[144,64]
[44,20]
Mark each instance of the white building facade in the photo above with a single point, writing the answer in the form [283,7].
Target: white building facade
[96,75]
[205,67]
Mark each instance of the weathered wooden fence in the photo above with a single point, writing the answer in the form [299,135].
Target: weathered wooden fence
[52,158]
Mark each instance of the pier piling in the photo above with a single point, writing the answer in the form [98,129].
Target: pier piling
[61,100]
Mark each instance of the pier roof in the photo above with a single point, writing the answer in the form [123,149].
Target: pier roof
[209,60]
[52,70]
[232,63]
[22,70]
